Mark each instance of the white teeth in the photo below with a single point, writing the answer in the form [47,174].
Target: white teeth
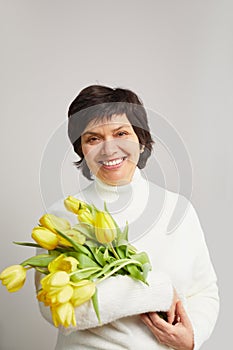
[113,162]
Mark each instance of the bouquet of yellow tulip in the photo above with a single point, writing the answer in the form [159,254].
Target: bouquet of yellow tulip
[78,259]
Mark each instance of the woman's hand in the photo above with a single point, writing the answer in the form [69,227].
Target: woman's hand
[178,335]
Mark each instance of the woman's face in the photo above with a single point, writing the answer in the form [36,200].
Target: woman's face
[111,149]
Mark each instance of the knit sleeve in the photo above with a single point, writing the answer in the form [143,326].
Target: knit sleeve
[118,297]
[202,296]
[122,296]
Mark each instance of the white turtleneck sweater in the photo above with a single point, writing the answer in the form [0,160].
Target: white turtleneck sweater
[166,226]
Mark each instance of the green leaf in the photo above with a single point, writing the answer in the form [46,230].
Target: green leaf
[111,259]
[113,264]
[106,255]
[84,260]
[55,252]
[145,269]
[121,262]
[141,257]
[41,260]
[78,247]
[125,232]
[89,206]
[132,249]
[84,273]
[99,256]
[28,244]
[121,251]
[86,229]
[135,273]
[91,244]
[96,305]
[121,241]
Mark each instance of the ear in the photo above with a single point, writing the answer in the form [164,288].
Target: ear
[142,147]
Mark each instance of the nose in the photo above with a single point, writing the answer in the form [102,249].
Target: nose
[109,147]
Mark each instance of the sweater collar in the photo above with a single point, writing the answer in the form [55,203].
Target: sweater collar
[111,193]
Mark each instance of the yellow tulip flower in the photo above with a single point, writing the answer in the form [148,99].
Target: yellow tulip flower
[83,291]
[63,263]
[105,228]
[72,204]
[58,295]
[55,288]
[13,277]
[53,223]
[63,314]
[55,279]
[55,295]
[41,296]
[45,238]
[84,215]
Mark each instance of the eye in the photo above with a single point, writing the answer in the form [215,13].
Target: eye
[93,140]
[122,133]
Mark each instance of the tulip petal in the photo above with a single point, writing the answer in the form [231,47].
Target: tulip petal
[105,228]
[54,223]
[45,238]
[13,277]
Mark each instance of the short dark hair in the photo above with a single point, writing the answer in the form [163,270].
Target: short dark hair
[97,102]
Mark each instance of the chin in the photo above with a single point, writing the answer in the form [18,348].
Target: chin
[116,180]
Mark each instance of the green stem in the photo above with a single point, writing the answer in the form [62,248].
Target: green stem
[114,251]
[27,268]
[45,272]
[83,270]
[128,262]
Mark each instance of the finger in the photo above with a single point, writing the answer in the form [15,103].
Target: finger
[171,315]
[147,321]
[158,322]
[181,313]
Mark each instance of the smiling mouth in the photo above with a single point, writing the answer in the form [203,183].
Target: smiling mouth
[113,162]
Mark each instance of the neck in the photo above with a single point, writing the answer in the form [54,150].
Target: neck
[110,193]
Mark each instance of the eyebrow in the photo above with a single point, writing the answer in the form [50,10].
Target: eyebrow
[97,133]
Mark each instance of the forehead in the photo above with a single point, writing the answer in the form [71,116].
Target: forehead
[112,121]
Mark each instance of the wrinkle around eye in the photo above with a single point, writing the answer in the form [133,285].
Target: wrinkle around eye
[122,133]
[93,140]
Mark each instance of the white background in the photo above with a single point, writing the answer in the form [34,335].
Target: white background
[176,55]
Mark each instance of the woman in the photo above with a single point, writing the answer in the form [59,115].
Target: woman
[109,131]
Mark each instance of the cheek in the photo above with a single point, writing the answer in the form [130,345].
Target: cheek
[132,148]
[136,152]
[85,150]
[89,152]
[129,144]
